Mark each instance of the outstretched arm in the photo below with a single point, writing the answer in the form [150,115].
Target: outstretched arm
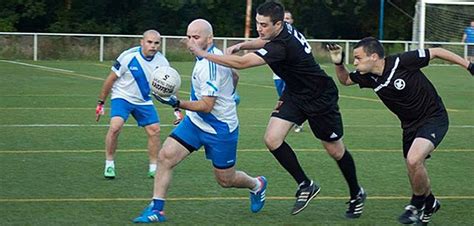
[451,57]
[233,61]
[337,57]
[247,45]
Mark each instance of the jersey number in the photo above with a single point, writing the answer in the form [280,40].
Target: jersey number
[300,37]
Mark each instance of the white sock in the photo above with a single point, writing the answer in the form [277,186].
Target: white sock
[258,184]
[152,168]
[109,163]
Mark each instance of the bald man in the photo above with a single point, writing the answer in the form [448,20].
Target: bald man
[130,94]
[211,121]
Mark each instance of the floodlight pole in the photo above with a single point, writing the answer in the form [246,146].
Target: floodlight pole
[381,19]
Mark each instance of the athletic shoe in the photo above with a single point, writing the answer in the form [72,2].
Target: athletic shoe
[151,174]
[257,200]
[150,216]
[298,128]
[109,172]
[428,213]
[356,206]
[410,216]
[303,196]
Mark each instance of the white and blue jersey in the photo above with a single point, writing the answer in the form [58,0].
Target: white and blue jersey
[134,71]
[217,130]
[211,79]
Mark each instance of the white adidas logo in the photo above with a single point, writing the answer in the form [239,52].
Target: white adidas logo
[333,135]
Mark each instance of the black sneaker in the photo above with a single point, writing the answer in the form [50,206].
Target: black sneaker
[303,196]
[410,216]
[428,213]
[356,206]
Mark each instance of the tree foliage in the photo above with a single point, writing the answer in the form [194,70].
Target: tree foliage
[343,19]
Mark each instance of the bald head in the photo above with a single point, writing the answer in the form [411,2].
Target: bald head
[150,43]
[151,33]
[201,26]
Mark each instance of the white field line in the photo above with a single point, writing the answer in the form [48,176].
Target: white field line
[170,125]
[389,197]
[69,72]
[240,150]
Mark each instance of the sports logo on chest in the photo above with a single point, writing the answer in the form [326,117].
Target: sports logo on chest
[399,84]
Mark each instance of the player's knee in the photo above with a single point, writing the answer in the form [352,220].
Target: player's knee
[414,163]
[272,142]
[166,157]
[114,130]
[154,130]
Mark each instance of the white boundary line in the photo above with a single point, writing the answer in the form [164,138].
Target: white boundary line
[69,72]
[239,150]
[451,197]
[170,125]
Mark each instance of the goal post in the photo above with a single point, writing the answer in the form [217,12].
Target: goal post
[441,20]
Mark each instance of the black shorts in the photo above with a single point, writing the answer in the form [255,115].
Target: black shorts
[433,129]
[322,113]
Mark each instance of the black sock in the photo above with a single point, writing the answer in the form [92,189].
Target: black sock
[347,166]
[429,201]
[418,201]
[287,158]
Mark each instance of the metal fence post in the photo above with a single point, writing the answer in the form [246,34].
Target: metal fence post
[35,47]
[101,49]
[163,46]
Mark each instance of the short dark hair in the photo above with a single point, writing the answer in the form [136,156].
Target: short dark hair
[272,9]
[371,45]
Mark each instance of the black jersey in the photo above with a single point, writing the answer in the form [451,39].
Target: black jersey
[289,56]
[404,89]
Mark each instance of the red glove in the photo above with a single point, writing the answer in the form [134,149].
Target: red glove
[179,116]
[99,110]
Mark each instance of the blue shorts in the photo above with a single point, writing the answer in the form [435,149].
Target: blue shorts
[279,85]
[221,149]
[144,114]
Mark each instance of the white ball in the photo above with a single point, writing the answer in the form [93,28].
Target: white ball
[165,81]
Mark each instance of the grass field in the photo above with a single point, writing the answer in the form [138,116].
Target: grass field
[51,155]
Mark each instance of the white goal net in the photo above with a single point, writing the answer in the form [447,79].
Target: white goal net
[442,21]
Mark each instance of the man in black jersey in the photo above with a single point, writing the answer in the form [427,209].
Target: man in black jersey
[310,94]
[405,90]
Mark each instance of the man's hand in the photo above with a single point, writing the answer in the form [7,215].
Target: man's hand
[470,68]
[99,110]
[179,116]
[171,101]
[232,49]
[336,53]
[193,47]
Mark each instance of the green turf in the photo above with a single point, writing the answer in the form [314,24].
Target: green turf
[51,155]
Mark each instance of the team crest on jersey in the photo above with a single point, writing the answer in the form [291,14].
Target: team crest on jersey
[399,84]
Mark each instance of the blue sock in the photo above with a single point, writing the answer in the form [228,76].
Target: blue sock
[158,204]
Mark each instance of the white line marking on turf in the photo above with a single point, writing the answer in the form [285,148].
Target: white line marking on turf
[170,125]
[451,197]
[239,150]
[37,66]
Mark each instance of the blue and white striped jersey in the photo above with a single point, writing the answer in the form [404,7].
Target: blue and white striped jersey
[134,71]
[211,79]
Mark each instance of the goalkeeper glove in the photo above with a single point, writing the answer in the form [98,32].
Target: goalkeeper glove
[470,68]
[179,116]
[336,53]
[171,101]
[99,110]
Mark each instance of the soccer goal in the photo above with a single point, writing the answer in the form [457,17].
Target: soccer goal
[437,22]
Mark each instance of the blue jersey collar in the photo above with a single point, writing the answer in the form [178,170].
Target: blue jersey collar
[208,50]
[144,57]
